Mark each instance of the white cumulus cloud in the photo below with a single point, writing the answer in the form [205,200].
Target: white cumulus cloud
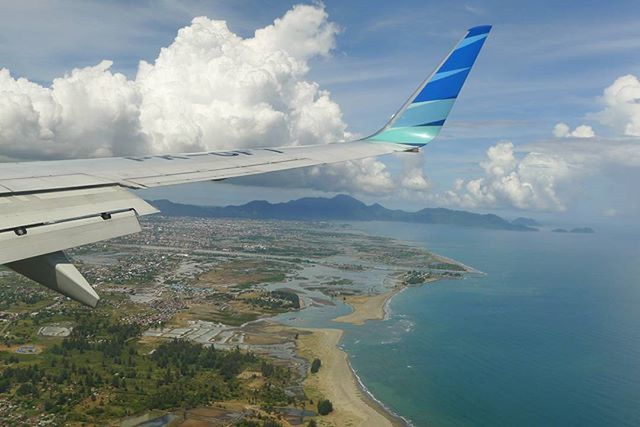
[213,89]
[622,106]
[89,112]
[209,89]
[413,178]
[528,183]
[562,130]
[548,172]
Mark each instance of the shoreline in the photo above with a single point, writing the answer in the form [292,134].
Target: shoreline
[367,307]
[372,307]
[397,420]
[467,268]
[337,381]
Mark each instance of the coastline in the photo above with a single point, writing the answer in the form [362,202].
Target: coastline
[468,269]
[372,307]
[337,381]
[367,307]
[397,420]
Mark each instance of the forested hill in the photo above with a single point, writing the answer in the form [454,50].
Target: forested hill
[341,207]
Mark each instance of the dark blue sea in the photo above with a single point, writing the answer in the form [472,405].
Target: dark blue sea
[550,336]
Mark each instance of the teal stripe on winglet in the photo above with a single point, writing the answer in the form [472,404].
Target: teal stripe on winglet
[413,135]
[422,116]
[425,112]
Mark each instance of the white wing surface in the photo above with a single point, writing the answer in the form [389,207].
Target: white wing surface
[49,206]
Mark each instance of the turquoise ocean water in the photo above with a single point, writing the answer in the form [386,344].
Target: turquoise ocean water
[550,336]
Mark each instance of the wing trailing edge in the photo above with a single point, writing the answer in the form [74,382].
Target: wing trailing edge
[36,229]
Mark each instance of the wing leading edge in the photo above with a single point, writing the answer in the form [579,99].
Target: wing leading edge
[48,207]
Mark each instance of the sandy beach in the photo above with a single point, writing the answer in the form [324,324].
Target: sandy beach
[336,381]
[366,307]
[371,307]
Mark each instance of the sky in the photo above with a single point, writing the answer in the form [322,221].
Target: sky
[547,125]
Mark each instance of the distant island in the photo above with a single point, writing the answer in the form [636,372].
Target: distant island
[527,222]
[579,230]
[342,208]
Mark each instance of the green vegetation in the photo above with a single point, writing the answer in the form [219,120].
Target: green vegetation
[325,407]
[194,375]
[446,266]
[244,273]
[290,296]
[266,277]
[416,277]
[272,392]
[101,372]
[276,300]
[315,365]
[255,423]
[339,282]
[17,293]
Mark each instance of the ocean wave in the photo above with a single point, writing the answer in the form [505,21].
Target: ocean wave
[388,313]
[407,325]
[370,395]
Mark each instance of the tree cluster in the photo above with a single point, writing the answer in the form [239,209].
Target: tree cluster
[315,365]
[325,407]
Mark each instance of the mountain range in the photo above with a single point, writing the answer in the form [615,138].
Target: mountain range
[341,207]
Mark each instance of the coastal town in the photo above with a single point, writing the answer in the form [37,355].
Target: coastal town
[234,294]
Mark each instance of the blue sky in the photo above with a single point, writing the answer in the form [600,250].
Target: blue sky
[545,62]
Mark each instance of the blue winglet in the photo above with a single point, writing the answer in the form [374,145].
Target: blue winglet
[420,119]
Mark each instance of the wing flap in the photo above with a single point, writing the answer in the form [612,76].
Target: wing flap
[32,210]
[50,238]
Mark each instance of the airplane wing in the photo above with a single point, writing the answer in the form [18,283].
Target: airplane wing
[49,206]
